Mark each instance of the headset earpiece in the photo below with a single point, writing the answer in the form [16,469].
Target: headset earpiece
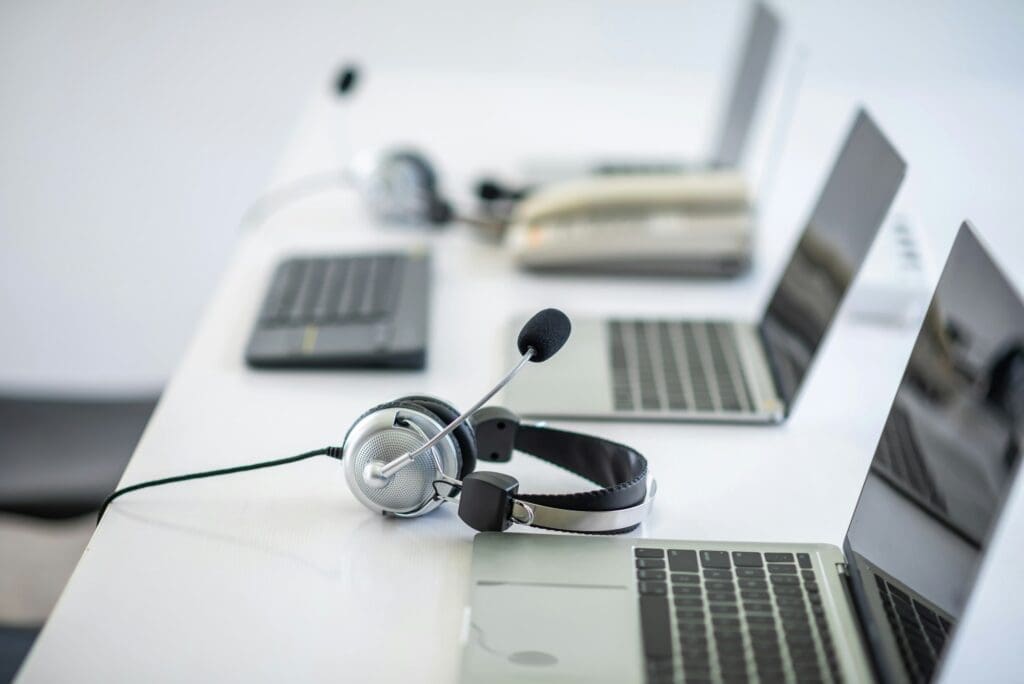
[404,188]
[389,430]
[464,434]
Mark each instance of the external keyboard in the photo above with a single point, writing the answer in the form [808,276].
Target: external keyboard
[323,290]
[677,366]
[732,617]
[365,310]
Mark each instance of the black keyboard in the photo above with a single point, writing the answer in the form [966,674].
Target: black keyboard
[332,290]
[733,617]
[677,366]
[921,633]
[899,459]
[367,310]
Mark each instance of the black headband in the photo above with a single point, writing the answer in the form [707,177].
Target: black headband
[493,500]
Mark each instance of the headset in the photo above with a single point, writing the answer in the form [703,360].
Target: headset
[400,186]
[407,457]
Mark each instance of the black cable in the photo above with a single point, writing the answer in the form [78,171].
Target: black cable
[283,196]
[276,199]
[333,452]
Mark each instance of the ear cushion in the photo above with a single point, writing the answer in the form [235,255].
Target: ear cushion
[417,163]
[465,438]
[464,434]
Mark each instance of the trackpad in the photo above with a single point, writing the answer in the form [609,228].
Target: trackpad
[552,632]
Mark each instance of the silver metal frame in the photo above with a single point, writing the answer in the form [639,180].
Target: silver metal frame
[569,520]
[390,419]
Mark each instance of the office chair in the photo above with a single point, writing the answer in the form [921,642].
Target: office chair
[59,458]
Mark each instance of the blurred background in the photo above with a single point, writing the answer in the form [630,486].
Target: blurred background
[134,136]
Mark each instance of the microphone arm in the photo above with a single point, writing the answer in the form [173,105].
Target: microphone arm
[379,474]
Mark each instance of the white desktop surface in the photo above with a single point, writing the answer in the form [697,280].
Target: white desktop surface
[280,575]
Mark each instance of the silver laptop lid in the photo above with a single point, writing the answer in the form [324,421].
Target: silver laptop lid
[751,73]
[948,455]
[852,204]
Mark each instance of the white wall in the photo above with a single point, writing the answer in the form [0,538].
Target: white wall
[133,135]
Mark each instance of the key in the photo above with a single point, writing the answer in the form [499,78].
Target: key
[690,614]
[658,665]
[682,560]
[648,553]
[655,623]
[785,579]
[685,578]
[689,601]
[763,619]
[650,563]
[722,596]
[757,607]
[747,559]
[718,585]
[779,557]
[284,284]
[656,588]
[718,574]
[650,574]
[899,593]
[715,559]
[723,608]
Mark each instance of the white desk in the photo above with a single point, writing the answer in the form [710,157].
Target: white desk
[281,575]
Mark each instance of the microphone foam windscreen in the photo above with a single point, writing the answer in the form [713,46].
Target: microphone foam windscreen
[546,332]
[346,79]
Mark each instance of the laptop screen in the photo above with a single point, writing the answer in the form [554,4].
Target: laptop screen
[850,208]
[751,74]
[943,466]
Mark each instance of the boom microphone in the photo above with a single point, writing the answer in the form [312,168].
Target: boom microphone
[346,80]
[545,333]
[539,340]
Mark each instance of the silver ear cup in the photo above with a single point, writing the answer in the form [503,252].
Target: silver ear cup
[385,435]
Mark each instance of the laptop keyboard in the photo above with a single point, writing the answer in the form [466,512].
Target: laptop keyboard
[333,290]
[676,366]
[898,454]
[740,617]
[920,632]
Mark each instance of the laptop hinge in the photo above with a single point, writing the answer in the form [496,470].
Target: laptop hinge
[860,621]
[843,570]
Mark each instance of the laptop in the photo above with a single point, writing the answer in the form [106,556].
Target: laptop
[735,124]
[730,371]
[885,606]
